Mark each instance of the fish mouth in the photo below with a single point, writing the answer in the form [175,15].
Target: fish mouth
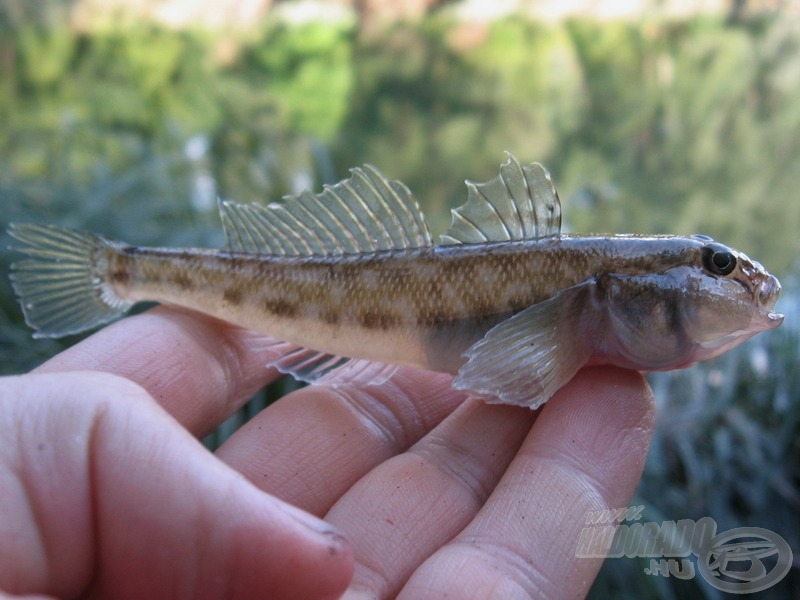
[768,293]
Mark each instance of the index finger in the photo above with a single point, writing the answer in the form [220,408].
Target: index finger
[198,368]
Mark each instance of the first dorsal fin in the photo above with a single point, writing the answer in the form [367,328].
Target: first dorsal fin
[364,213]
[521,203]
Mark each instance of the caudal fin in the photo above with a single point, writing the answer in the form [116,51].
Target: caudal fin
[61,286]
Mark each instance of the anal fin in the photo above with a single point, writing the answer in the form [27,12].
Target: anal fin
[311,366]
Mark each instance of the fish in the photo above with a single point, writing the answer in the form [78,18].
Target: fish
[350,284]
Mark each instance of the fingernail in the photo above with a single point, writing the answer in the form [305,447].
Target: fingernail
[336,544]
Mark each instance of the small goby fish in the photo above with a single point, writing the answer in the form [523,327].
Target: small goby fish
[351,283]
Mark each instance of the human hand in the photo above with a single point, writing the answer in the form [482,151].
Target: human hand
[105,492]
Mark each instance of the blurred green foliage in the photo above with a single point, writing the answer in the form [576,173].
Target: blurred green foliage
[651,126]
[647,127]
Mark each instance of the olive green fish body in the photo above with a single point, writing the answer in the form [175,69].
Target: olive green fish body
[424,301]
[390,306]
[506,303]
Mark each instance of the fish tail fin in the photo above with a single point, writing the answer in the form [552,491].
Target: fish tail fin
[62,286]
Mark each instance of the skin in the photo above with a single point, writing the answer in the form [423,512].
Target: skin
[424,493]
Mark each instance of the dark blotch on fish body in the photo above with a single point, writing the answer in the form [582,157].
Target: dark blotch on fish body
[232,296]
[280,308]
[330,316]
[378,320]
[120,276]
[182,280]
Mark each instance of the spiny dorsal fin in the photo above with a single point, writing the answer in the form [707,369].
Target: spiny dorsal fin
[521,203]
[364,213]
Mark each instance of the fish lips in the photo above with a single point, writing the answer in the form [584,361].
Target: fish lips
[767,296]
[764,318]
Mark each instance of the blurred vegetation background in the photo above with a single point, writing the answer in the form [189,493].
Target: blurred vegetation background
[651,122]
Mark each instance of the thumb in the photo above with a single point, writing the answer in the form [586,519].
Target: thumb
[104,494]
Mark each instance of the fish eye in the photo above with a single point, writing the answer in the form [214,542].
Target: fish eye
[718,259]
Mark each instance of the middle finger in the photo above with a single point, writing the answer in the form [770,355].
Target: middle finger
[311,446]
[402,511]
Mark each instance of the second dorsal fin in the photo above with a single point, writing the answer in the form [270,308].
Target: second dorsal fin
[521,203]
[364,213]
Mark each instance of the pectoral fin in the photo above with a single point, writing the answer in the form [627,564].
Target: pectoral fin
[525,359]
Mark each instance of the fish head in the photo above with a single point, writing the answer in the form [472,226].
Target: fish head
[709,301]
[729,299]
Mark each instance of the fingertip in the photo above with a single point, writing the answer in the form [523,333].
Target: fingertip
[337,562]
[604,418]
[143,508]
[313,546]
[610,390]
[215,533]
